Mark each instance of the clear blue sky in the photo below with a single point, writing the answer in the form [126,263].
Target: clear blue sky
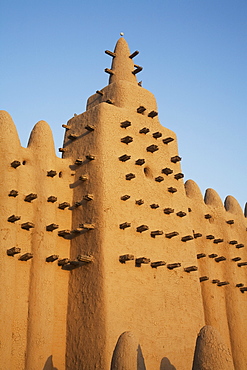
[194,55]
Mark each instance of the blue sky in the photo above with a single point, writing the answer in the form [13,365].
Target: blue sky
[194,55]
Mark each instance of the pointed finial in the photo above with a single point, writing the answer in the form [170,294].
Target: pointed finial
[122,67]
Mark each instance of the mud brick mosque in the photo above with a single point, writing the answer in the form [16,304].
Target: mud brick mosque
[108,259]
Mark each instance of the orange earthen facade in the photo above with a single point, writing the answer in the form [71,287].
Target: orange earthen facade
[110,261]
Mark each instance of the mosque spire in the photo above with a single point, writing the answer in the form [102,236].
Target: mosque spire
[123,67]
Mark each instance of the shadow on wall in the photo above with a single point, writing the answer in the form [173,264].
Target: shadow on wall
[140,359]
[49,364]
[166,365]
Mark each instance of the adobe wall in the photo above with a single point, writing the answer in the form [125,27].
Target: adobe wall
[222,251]
[108,258]
[33,292]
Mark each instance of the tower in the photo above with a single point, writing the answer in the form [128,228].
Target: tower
[134,176]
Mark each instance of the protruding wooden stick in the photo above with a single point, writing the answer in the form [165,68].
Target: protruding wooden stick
[142,228]
[167,211]
[140,162]
[172,266]
[15,164]
[52,258]
[187,238]
[158,264]
[125,197]
[153,114]
[90,127]
[134,54]
[141,109]
[13,218]
[172,190]
[159,179]
[124,225]
[157,134]
[203,278]
[240,245]
[217,241]
[181,214]
[63,205]
[215,281]
[90,157]
[67,127]
[88,197]
[12,251]
[85,258]
[144,130]
[152,148]
[109,101]
[126,257]
[108,52]
[190,268]
[87,226]
[142,260]
[154,206]
[51,173]
[212,255]
[156,232]
[27,225]
[52,199]
[30,197]
[243,289]
[167,140]
[124,158]
[171,235]
[139,202]
[99,92]
[52,227]
[178,176]
[130,176]
[26,257]
[167,171]
[219,259]
[13,193]
[210,237]
[73,136]
[240,264]
[127,139]
[200,255]
[176,159]
[78,161]
[83,177]
[125,124]
[63,262]
[109,71]
[221,283]
[137,69]
[64,233]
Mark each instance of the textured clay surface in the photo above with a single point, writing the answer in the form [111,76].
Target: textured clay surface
[108,259]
